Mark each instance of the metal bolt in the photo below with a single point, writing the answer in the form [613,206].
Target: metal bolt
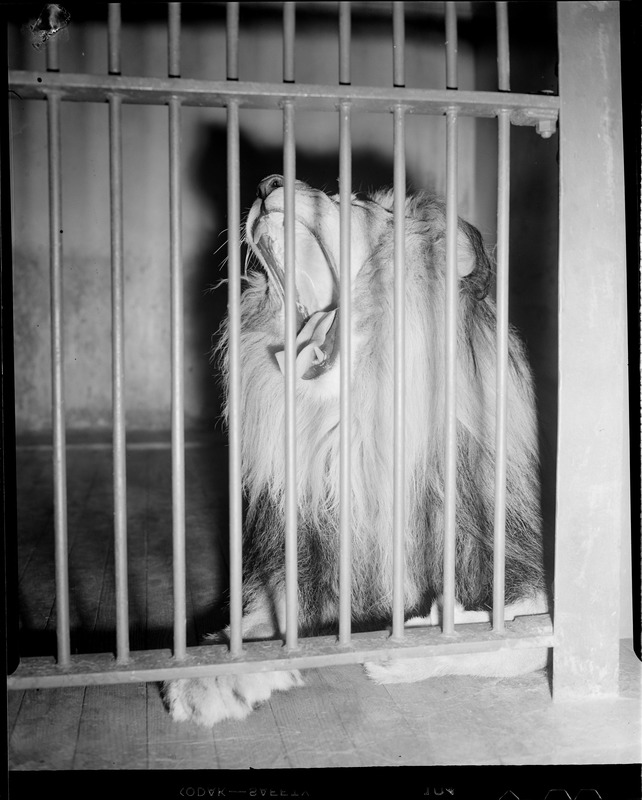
[545,128]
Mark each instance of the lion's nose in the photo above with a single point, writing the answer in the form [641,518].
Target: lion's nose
[268,185]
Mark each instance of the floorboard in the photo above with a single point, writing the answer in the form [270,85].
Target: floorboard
[172,745]
[113,728]
[46,732]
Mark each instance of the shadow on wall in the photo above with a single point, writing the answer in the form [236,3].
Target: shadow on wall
[208,172]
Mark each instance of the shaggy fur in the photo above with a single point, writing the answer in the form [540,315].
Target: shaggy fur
[317,466]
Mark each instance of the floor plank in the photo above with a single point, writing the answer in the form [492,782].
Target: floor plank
[308,726]
[46,730]
[253,743]
[175,745]
[113,728]
[14,701]
[373,721]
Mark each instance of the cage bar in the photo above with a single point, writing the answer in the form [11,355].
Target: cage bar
[452,79]
[291,568]
[232,41]
[345,305]
[526,109]
[452,289]
[345,35]
[318,651]
[234,377]
[53,54]
[399,473]
[174,40]
[289,22]
[58,381]
[118,377]
[398,45]
[178,399]
[503,52]
[503,229]
[113,38]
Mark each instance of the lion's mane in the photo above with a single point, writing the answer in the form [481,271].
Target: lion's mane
[317,427]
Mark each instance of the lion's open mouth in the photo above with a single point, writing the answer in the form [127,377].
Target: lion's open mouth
[316,288]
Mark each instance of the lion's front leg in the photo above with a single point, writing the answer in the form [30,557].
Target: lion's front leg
[207,701]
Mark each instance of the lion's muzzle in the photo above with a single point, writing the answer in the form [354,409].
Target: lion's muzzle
[315,268]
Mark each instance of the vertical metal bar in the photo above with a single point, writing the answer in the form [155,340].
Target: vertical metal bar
[503,230]
[118,378]
[398,45]
[232,41]
[178,402]
[345,29]
[118,341]
[174,40]
[345,304]
[291,568]
[452,79]
[399,213]
[452,289]
[53,61]
[503,223]
[399,456]
[234,384]
[289,10]
[58,391]
[113,38]
[503,54]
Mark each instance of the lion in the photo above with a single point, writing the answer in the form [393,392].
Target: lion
[317,226]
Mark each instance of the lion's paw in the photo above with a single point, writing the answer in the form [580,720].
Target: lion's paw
[497,664]
[400,670]
[207,701]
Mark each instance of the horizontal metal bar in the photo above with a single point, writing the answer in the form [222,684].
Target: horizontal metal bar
[158,665]
[525,109]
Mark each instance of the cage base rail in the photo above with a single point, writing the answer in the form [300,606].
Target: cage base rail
[320,651]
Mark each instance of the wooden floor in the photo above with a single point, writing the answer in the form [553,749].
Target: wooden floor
[339,719]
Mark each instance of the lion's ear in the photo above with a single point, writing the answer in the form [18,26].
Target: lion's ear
[472,259]
[466,259]
[470,249]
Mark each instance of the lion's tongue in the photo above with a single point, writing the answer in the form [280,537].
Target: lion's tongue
[310,342]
